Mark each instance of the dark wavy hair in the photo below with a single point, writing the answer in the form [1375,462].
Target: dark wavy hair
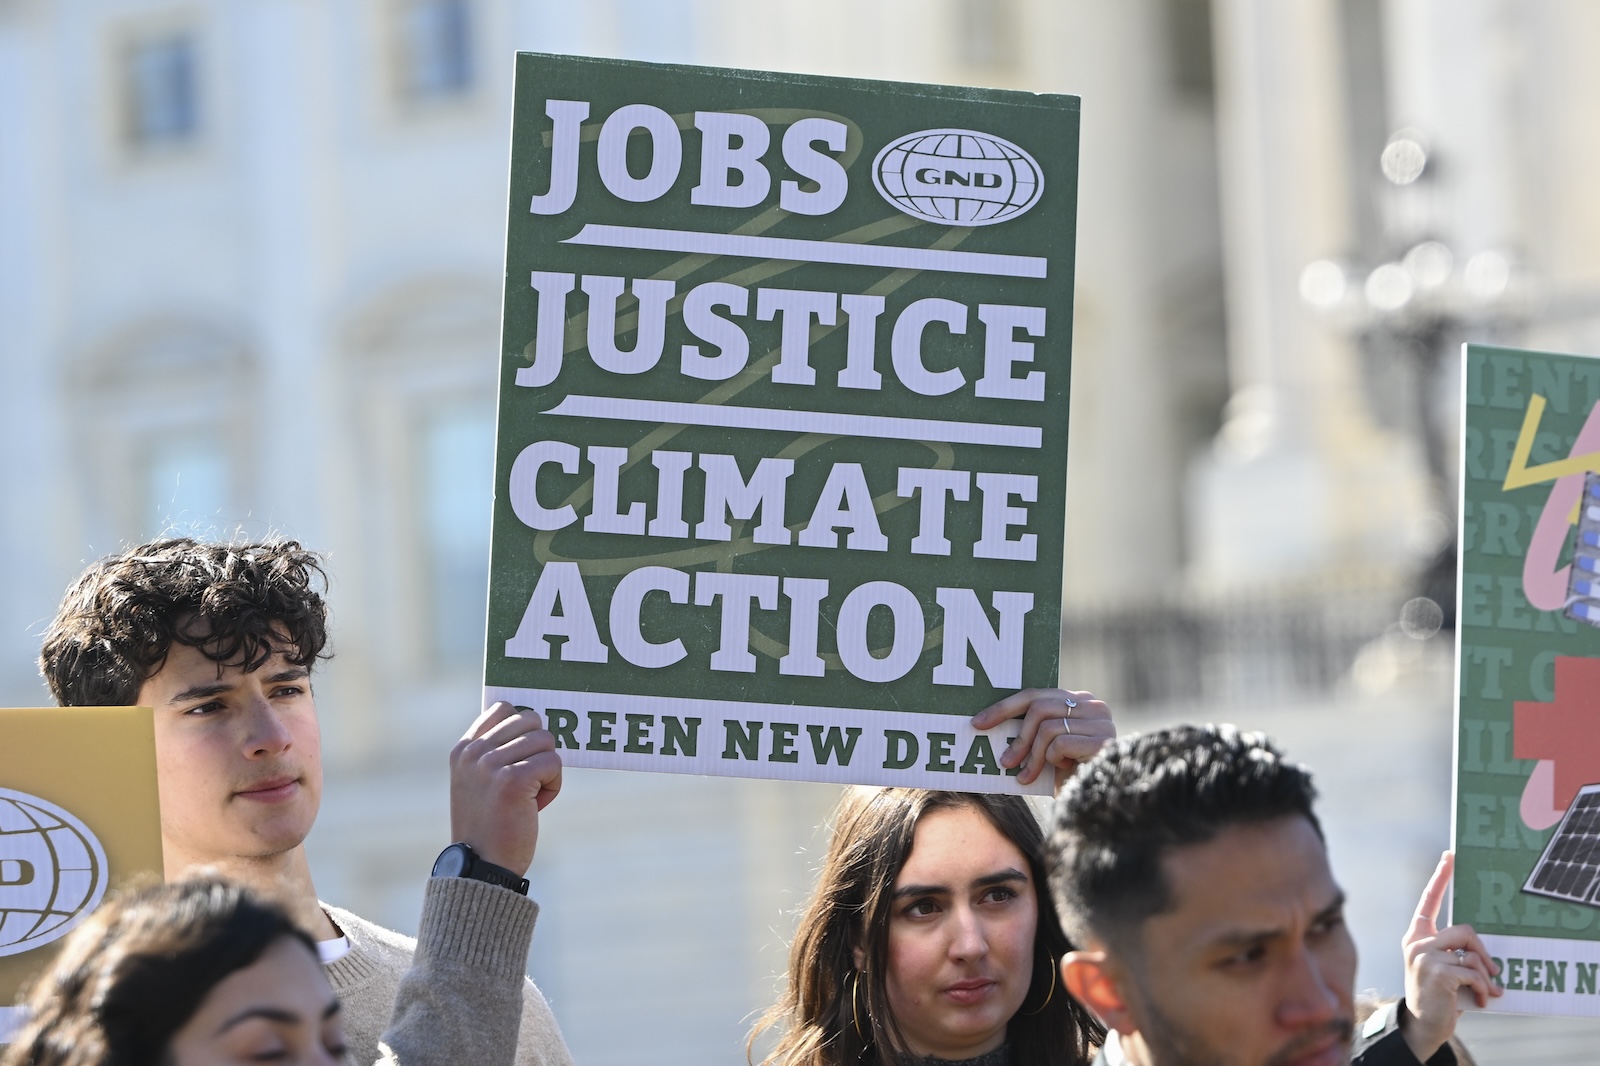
[237,604]
[138,969]
[1143,795]
[873,831]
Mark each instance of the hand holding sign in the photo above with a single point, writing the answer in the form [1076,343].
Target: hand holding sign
[502,774]
[1059,727]
[1439,963]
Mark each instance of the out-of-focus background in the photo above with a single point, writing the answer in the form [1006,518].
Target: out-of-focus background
[250,269]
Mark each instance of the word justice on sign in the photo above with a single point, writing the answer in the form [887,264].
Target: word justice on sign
[709,310]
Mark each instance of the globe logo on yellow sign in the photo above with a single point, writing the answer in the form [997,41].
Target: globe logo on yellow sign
[52,872]
[958,177]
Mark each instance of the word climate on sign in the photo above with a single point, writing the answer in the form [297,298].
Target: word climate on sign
[780,476]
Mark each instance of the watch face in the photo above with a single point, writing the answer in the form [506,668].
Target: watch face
[451,862]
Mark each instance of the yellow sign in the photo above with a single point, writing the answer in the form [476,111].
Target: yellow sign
[79,815]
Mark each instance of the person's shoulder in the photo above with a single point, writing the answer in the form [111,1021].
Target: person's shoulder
[1381,1043]
[367,937]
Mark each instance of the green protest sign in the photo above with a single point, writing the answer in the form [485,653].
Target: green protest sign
[781,461]
[1527,804]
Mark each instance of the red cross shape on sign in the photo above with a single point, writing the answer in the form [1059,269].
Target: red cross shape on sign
[1565,731]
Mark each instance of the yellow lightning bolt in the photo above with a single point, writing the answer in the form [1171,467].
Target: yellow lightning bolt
[1520,475]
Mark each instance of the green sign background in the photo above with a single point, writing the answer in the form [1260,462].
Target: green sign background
[1507,654]
[875,114]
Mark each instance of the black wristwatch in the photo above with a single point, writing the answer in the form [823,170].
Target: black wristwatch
[459,860]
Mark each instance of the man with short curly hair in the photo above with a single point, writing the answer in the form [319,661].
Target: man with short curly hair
[1189,866]
[220,640]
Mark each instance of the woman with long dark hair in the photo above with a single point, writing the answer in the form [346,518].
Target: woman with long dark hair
[931,936]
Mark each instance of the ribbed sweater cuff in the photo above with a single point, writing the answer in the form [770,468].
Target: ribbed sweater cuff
[476,924]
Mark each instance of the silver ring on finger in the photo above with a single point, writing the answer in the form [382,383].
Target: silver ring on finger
[1069,701]
[1066,724]
[1461,955]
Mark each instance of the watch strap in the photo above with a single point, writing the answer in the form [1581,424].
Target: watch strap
[480,869]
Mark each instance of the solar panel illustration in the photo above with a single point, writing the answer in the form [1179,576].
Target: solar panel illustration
[1583,583]
[1569,869]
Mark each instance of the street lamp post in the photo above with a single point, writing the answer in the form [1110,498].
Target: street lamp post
[1409,303]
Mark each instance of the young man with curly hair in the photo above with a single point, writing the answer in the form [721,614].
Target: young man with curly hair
[221,639]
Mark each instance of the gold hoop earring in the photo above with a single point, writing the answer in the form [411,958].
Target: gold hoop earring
[1048,995]
[855,1015]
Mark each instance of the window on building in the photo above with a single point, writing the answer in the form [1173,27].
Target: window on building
[987,33]
[161,90]
[185,485]
[418,360]
[163,412]
[435,48]
[457,474]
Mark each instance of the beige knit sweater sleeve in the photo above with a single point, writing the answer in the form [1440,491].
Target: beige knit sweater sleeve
[457,994]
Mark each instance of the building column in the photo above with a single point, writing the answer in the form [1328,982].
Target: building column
[1298,483]
[43,549]
[1447,70]
[1123,471]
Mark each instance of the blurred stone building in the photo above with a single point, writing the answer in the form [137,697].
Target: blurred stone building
[250,269]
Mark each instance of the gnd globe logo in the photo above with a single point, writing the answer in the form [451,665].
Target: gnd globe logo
[958,177]
[52,872]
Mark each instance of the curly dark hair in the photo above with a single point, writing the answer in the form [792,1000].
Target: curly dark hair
[1142,796]
[238,604]
[137,970]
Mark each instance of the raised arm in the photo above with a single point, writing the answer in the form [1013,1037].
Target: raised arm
[464,998]
[1439,964]
[503,772]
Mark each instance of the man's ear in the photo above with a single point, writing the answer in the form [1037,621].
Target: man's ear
[1094,980]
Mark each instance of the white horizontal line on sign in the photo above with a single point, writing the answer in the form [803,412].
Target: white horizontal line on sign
[875,255]
[829,422]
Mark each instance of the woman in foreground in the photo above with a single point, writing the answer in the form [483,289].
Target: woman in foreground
[189,974]
[931,936]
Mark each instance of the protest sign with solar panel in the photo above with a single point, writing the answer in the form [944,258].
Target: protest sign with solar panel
[1527,803]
